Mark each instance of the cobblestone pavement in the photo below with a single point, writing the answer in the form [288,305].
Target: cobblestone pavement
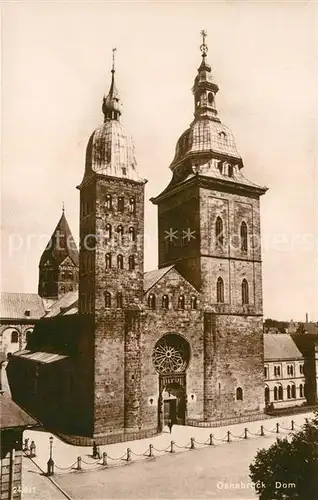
[203,473]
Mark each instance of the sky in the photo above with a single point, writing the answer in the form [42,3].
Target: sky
[56,62]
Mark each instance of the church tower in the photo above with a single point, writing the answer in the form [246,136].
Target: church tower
[58,267]
[111,262]
[209,227]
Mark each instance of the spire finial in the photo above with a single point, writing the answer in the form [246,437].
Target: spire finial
[63,207]
[113,67]
[203,46]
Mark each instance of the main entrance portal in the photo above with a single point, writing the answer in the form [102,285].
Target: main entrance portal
[171,357]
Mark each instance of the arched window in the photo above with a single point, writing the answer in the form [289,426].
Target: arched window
[120,232]
[108,261]
[288,370]
[301,391]
[131,262]
[291,370]
[230,170]
[132,234]
[28,335]
[165,302]
[245,298]
[120,204]
[108,231]
[239,394]
[280,392]
[108,202]
[243,237]
[70,288]
[194,302]
[120,262]
[275,393]
[288,392]
[267,394]
[119,300]
[181,302]
[219,290]
[265,371]
[301,369]
[152,301]
[14,337]
[219,237]
[210,98]
[108,300]
[293,391]
[132,205]
[62,289]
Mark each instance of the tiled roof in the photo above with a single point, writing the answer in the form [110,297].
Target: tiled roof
[66,302]
[60,246]
[14,306]
[151,277]
[11,415]
[280,346]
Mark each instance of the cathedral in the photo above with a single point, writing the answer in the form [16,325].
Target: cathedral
[121,350]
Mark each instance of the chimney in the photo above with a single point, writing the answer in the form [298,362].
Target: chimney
[306,317]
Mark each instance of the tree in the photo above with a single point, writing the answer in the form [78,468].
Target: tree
[289,468]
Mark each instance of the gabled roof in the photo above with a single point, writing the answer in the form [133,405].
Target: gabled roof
[11,415]
[60,246]
[15,305]
[280,346]
[151,277]
[66,302]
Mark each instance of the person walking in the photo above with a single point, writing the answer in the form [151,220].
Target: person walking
[170,425]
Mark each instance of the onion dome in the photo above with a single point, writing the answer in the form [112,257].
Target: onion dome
[110,151]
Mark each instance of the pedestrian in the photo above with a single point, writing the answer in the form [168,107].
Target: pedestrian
[170,425]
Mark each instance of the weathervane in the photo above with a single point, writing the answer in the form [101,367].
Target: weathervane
[114,50]
[203,46]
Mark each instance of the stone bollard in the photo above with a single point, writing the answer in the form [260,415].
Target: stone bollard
[192,446]
[79,463]
[150,450]
[128,458]
[277,428]
[245,433]
[104,458]
[292,425]
[211,440]
[262,430]
[32,449]
[172,447]
[228,436]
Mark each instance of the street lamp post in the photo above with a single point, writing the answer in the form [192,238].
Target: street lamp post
[50,463]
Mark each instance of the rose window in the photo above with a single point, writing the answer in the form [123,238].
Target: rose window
[171,354]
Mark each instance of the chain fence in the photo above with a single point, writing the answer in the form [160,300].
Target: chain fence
[102,460]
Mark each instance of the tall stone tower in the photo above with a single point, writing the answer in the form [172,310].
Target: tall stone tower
[209,227]
[58,267]
[111,266]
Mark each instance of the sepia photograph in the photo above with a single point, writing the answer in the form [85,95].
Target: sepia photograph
[159,250]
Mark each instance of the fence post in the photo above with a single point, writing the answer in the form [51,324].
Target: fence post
[172,447]
[277,428]
[128,454]
[150,451]
[262,430]
[292,425]
[104,458]
[228,436]
[79,463]
[245,433]
[32,449]
[211,440]
[192,444]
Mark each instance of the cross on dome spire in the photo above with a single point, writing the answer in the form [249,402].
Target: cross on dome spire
[113,67]
[203,46]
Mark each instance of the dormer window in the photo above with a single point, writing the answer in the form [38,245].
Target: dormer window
[222,136]
[27,313]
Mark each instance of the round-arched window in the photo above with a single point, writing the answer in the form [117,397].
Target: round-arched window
[210,98]
[171,354]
